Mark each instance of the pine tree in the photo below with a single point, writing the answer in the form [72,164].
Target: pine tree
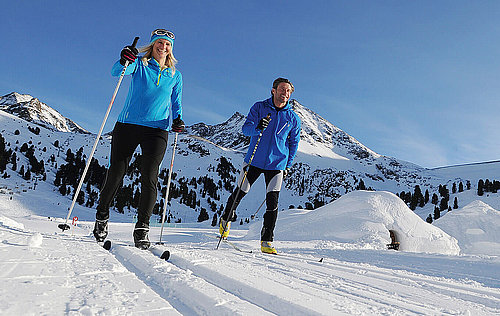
[4,154]
[429,219]
[455,203]
[214,220]
[361,185]
[21,171]
[203,215]
[460,187]
[444,204]
[27,175]
[62,189]
[480,187]
[81,198]
[437,213]
[435,199]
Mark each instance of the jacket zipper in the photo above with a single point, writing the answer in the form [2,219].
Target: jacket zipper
[282,128]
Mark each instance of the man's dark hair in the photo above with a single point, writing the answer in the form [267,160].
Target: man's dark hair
[280,80]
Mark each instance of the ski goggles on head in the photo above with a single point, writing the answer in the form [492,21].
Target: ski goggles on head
[162,32]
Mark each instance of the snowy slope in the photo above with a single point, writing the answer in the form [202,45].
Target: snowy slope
[68,273]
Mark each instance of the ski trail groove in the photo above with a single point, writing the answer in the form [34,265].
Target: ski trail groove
[363,279]
[186,292]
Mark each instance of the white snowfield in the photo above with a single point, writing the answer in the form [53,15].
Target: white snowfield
[46,272]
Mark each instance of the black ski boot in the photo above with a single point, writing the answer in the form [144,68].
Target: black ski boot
[141,239]
[100,230]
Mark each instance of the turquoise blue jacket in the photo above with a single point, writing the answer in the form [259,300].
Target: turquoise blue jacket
[280,140]
[151,94]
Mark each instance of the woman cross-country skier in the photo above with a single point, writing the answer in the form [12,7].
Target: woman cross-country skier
[155,91]
[274,129]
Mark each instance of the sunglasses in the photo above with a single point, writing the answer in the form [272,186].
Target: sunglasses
[162,32]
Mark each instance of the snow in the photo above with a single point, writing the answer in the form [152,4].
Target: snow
[68,273]
[476,226]
[333,260]
[35,240]
[365,218]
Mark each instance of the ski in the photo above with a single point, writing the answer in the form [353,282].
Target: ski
[279,254]
[233,245]
[162,254]
[290,256]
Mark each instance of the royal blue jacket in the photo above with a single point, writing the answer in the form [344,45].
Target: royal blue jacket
[280,140]
[151,94]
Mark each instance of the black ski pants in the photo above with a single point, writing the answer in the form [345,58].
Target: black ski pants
[274,179]
[126,138]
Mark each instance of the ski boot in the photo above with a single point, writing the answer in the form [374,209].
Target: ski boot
[141,239]
[100,230]
[222,232]
[266,247]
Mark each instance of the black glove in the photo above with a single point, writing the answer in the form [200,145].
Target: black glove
[286,172]
[178,125]
[128,53]
[263,123]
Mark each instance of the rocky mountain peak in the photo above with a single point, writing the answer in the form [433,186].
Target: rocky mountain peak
[33,110]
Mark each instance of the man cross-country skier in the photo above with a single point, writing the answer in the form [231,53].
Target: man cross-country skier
[278,127]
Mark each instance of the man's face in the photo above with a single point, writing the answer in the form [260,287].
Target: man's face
[281,94]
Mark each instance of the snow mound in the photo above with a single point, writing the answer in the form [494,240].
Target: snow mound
[35,240]
[475,226]
[363,218]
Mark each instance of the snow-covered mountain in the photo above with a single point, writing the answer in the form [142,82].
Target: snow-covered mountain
[329,164]
[33,110]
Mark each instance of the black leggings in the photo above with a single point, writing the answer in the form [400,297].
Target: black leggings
[126,138]
[273,180]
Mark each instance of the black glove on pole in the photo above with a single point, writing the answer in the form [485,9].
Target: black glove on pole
[264,122]
[128,53]
[178,125]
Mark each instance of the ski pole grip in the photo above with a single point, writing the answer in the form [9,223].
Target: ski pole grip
[135,41]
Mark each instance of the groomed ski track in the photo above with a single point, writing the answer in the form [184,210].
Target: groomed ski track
[75,276]
[200,280]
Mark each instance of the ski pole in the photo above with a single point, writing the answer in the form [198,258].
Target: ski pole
[255,214]
[243,181]
[65,226]
[168,188]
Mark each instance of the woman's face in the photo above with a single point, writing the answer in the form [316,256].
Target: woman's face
[161,49]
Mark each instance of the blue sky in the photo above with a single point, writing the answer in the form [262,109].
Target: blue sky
[416,80]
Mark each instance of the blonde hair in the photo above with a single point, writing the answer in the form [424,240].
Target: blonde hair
[170,61]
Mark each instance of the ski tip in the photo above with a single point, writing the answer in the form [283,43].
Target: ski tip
[64,226]
[165,255]
[107,245]
[320,260]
